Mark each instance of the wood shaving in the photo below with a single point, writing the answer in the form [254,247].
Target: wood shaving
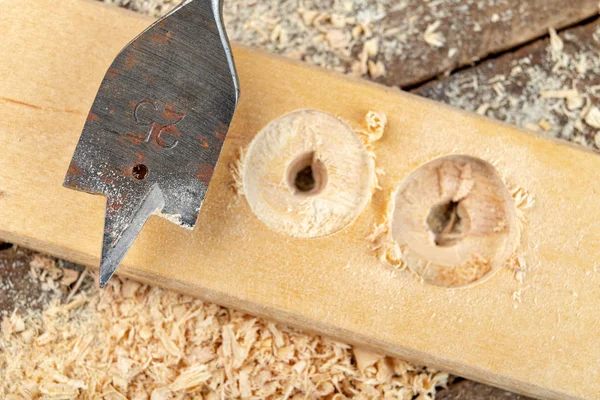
[593,117]
[482,109]
[365,358]
[385,248]
[556,45]
[545,125]
[376,122]
[133,341]
[433,37]
[550,87]
[236,170]
[337,39]
[376,69]
[372,47]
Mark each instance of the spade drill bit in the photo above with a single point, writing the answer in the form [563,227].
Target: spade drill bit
[156,128]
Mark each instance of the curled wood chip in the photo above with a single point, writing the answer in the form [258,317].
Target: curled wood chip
[545,125]
[365,358]
[69,277]
[556,44]
[372,47]
[376,69]
[376,122]
[483,108]
[433,37]
[337,38]
[575,102]
[593,117]
[308,16]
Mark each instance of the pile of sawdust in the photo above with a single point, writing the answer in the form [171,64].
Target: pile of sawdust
[132,341]
[555,92]
[352,36]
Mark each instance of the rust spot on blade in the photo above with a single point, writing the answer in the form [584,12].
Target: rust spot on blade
[203,141]
[91,117]
[108,180]
[131,61]
[150,80]
[223,132]
[113,72]
[171,114]
[205,174]
[161,38]
[74,169]
[133,138]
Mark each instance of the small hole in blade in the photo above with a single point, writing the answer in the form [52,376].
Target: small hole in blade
[139,171]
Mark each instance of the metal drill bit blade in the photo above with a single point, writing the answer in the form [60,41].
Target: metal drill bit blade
[155,131]
[122,224]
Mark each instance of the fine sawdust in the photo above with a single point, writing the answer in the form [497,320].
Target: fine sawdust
[555,92]
[132,341]
[356,36]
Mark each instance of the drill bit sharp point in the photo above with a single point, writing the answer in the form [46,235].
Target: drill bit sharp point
[122,227]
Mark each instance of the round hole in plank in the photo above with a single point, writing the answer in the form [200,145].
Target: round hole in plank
[456,221]
[307,174]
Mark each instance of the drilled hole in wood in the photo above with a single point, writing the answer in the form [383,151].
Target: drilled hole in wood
[307,175]
[455,221]
[448,222]
[139,171]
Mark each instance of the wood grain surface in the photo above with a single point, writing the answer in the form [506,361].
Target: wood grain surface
[332,285]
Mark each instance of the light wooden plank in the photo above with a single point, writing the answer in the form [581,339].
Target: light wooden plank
[544,346]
